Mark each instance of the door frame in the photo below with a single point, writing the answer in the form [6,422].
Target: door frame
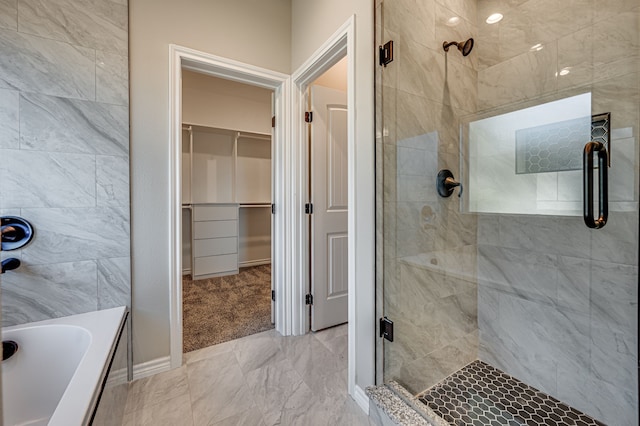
[339,45]
[185,58]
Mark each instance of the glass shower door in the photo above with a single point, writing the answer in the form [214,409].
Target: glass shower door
[515,273]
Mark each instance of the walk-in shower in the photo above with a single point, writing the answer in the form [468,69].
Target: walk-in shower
[517,301]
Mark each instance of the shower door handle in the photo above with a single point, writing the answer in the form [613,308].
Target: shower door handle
[603,190]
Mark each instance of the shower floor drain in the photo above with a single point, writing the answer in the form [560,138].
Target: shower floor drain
[481,395]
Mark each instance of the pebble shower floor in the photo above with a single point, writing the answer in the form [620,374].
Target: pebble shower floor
[481,395]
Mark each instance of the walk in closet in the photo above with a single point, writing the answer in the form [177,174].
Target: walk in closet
[226,200]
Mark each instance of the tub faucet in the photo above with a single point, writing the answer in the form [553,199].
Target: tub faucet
[10,264]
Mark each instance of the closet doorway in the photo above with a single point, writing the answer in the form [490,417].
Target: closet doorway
[226,210]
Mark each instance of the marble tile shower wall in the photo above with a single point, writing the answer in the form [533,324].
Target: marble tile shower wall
[64,154]
[557,302]
[423,92]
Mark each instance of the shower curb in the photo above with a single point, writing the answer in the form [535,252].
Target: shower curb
[394,405]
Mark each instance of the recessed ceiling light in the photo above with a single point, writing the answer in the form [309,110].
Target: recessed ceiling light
[453,21]
[536,47]
[494,18]
[565,71]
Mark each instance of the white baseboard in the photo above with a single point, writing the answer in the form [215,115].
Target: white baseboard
[149,368]
[361,399]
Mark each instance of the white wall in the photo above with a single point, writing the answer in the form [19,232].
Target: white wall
[225,104]
[335,77]
[251,31]
[313,22]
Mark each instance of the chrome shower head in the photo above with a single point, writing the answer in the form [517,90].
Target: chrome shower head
[464,47]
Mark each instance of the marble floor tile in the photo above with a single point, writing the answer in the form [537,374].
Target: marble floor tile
[259,380]
[175,411]
[156,389]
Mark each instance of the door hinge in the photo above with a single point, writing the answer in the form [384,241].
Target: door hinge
[308,299]
[273,209]
[308,117]
[386,328]
[308,208]
[273,121]
[386,53]
[273,295]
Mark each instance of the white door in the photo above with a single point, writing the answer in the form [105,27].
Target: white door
[329,198]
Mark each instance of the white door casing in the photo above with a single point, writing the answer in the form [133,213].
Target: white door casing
[328,175]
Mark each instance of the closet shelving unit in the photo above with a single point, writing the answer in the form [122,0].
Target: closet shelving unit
[226,180]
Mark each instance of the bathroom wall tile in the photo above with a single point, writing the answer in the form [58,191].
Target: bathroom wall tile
[66,234]
[112,78]
[576,54]
[217,389]
[461,31]
[574,283]
[114,282]
[487,36]
[614,295]
[621,97]
[616,45]
[618,241]
[38,292]
[488,229]
[523,77]
[43,179]
[613,356]
[9,128]
[622,171]
[50,123]
[412,20]
[9,14]
[99,25]
[570,185]
[50,67]
[529,274]
[547,186]
[112,180]
[463,8]
[461,83]
[423,71]
[541,21]
[167,413]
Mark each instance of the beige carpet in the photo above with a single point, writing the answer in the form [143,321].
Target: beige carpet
[217,310]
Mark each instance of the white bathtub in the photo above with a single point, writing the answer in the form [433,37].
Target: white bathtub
[56,376]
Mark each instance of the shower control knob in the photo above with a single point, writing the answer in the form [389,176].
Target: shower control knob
[445,183]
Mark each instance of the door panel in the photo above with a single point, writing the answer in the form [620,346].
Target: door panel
[329,197]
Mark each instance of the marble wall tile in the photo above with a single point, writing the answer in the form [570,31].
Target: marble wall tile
[9,124]
[112,78]
[50,123]
[43,179]
[460,30]
[9,14]
[614,295]
[99,25]
[541,21]
[251,417]
[622,171]
[422,70]
[621,97]
[67,234]
[38,292]
[114,282]
[460,90]
[466,9]
[45,66]
[112,181]
[617,242]
[412,20]
[523,77]
[574,283]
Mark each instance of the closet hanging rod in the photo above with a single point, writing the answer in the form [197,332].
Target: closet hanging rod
[254,136]
[255,205]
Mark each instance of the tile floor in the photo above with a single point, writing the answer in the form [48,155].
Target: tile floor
[263,379]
